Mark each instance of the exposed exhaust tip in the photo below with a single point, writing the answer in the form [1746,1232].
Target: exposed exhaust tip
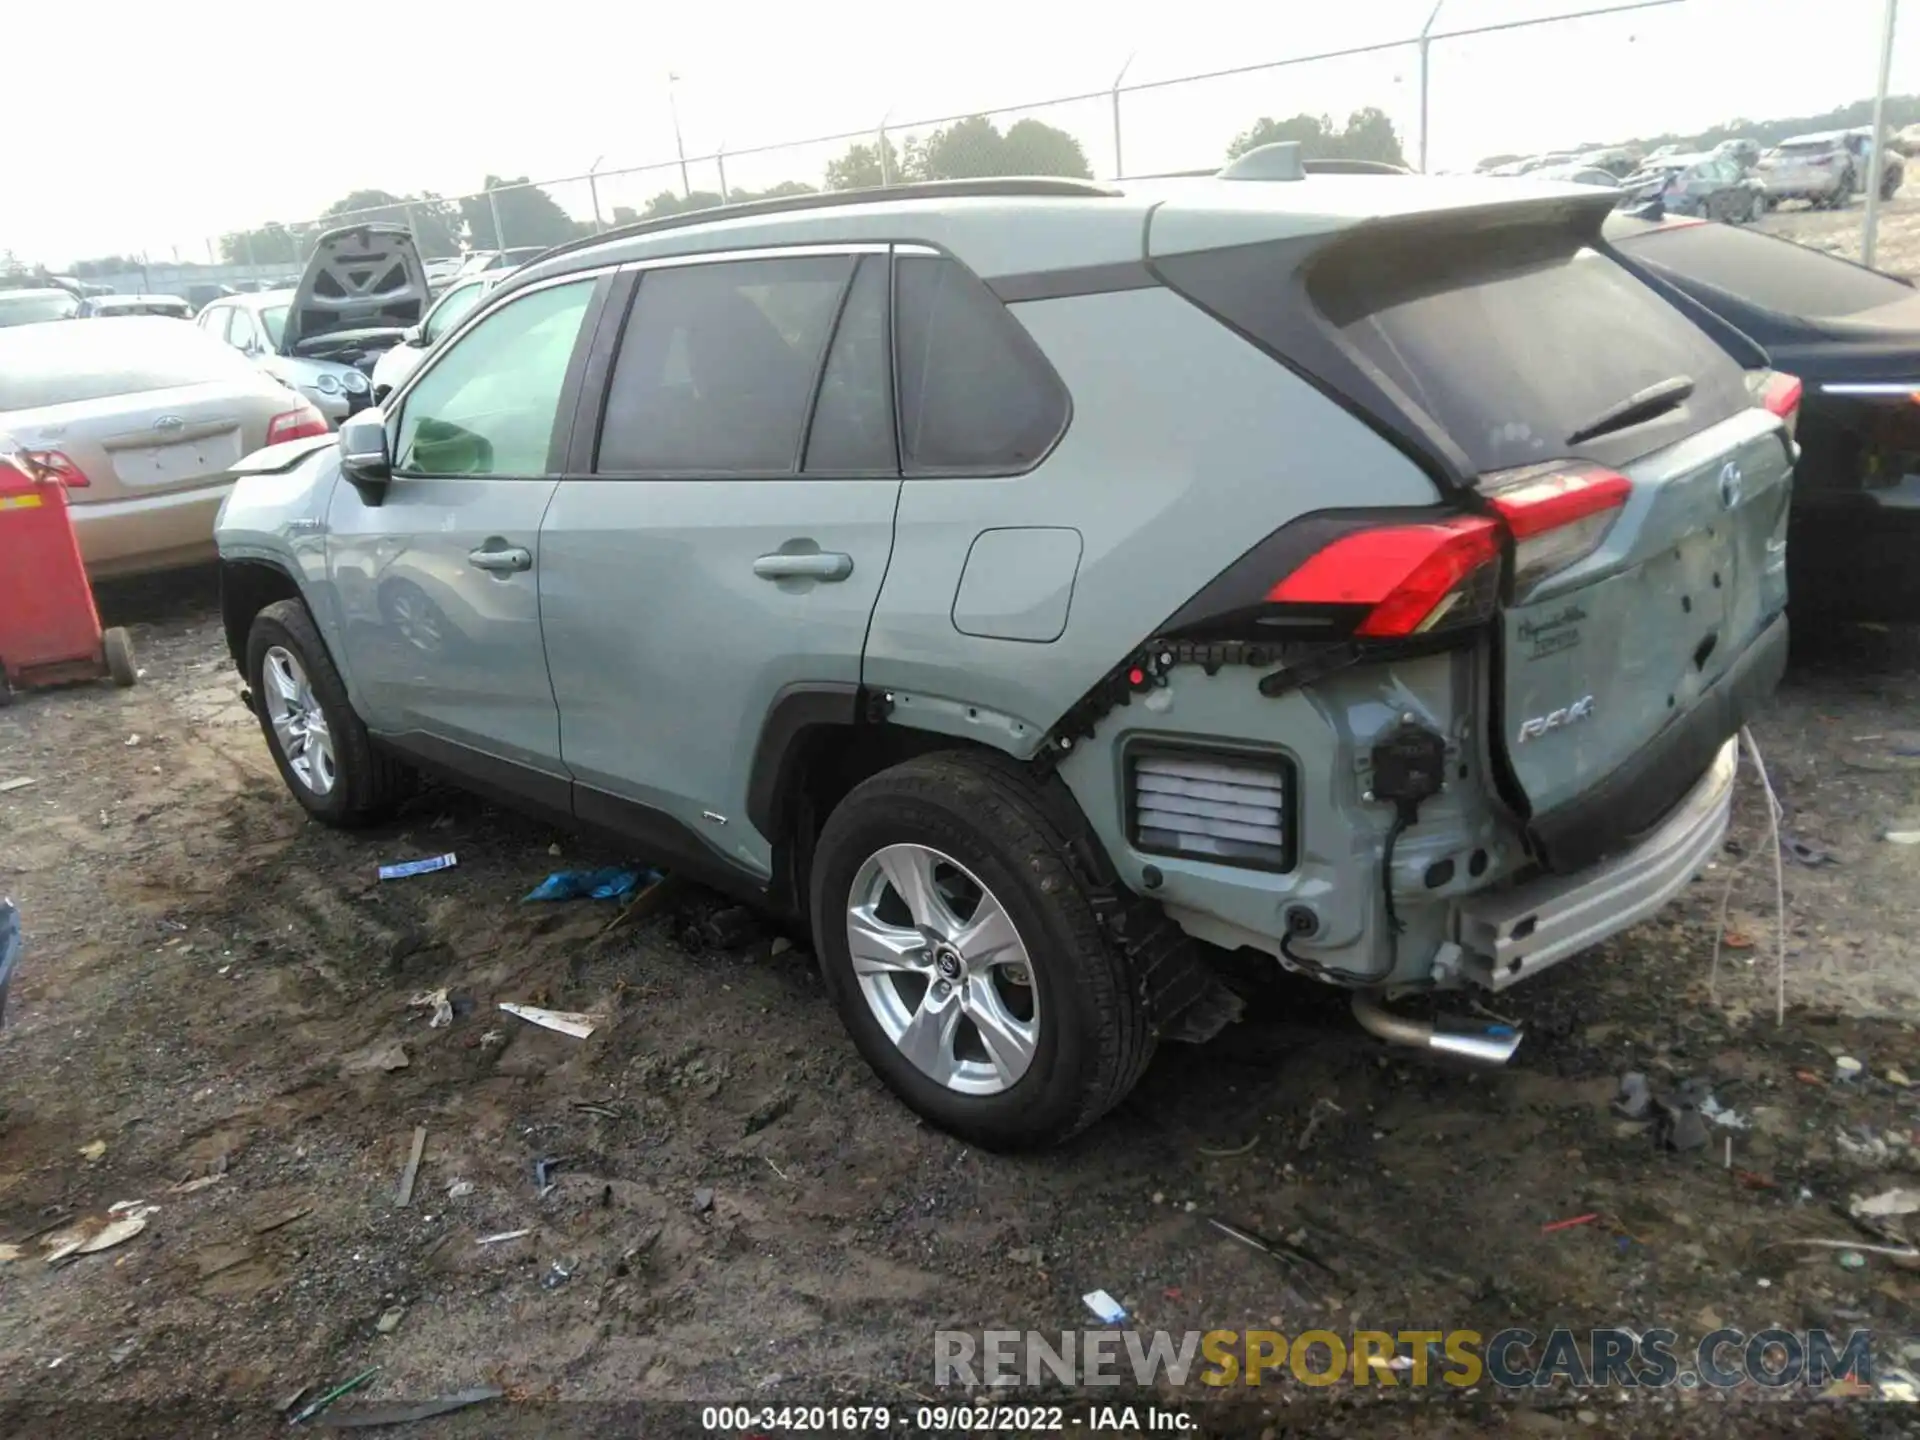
[1481,1044]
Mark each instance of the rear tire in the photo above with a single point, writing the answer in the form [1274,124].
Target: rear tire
[117,646]
[1890,183]
[1054,1049]
[332,767]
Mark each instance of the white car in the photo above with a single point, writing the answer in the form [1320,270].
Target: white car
[400,361]
[362,291]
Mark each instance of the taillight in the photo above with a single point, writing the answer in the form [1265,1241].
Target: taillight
[296,424]
[1412,579]
[1780,393]
[1558,514]
[51,465]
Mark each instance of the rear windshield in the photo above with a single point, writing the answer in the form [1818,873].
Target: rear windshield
[25,309]
[60,364]
[1513,339]
[1773,274]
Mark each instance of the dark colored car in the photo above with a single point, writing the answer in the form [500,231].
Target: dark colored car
[1714,187]
[1852,335]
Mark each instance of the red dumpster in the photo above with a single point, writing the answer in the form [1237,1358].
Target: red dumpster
[49,629]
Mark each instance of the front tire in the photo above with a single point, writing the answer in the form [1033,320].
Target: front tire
[965,957]
[321,748]
[117,648]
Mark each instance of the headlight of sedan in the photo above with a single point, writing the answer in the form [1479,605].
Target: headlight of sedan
[327,383]
[354,383]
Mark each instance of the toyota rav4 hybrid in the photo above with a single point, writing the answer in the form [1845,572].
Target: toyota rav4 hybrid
[1039,588]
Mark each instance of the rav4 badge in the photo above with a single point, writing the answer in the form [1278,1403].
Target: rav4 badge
[1581,709]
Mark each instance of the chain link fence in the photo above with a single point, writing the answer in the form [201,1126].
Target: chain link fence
[1377,98]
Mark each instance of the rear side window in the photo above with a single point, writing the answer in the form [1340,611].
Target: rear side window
[717,366]
[1773,274]
[65,364]
[976,394]
[1513,340]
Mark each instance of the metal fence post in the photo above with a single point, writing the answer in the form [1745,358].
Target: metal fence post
[1119,167]
[1425,43]
[886,164]
[1877,158]
[720,163]
[413,228]
[493,204]
[593,189]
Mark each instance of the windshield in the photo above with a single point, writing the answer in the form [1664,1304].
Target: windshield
[34,305]
[1773,274]
[274,317]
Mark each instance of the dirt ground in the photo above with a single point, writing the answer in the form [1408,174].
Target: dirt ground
[213,989]
[1896,236]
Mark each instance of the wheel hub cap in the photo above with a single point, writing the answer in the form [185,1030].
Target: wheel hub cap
[943,969]
[300,727]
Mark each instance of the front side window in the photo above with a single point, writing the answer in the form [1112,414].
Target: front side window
[976,394]
[717,367]
[488,406]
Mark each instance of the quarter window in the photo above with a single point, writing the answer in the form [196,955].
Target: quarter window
[976,394]
[488,406]
[853,430]
[717,367]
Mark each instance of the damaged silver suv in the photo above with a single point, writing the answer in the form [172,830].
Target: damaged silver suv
[1038,588]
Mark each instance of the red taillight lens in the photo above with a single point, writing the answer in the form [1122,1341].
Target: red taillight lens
[1557,514]
[296,424]
[1414,578]
[51,465]
[1781,394]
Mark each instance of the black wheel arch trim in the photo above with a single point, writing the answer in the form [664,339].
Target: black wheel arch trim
[797,709]
[230,618]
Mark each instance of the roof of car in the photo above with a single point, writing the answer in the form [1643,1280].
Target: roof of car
[1034,225]
[1817,137]
[118,300]
[42,292]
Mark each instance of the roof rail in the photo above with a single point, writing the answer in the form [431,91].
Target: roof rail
[988,187]
[1354,167]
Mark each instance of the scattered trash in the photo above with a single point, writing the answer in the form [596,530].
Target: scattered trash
[1894,1075]
[1108,1310]
[408,868]
[543,1173]
[506,1235]
[404,1195]
[1552,1226]
[10,1253]
[19,782]
[437,1001]
[316,1406]
[1901,837]
[1322,1110]
[1851,1260]
[1229,1152]
[132,741]
[1898,1386]
[1027,1255]
[612,883]
[282,1220]
[383,1055]
[1635,1098]
[780,946]
[1892,1252]
[406,1414]
[1720,1115]
[1287,1252]
[558,1274]
[702,1200]
[1755,1182]
[1736,940]
[120,1231]
[567,1022]
[459,1190]
[93,1149]
[1889,1202]
[1846,1069]
[1809,855]
[390,1321]
[605,1112]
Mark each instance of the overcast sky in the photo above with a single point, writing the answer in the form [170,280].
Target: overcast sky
[209,115]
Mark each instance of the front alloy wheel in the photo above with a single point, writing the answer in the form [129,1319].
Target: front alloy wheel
[299,724]
[943,969]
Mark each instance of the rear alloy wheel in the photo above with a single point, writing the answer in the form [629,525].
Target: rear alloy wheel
[964,955]
[319,744]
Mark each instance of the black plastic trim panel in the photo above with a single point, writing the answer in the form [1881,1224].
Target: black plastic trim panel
[1079,280]
[795,710]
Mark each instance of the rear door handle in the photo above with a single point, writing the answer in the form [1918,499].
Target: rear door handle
[821,565]
[501,562]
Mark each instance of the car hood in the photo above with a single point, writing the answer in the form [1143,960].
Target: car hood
[361,278]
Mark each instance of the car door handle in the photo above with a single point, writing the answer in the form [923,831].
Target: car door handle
[501,562]
[820,565]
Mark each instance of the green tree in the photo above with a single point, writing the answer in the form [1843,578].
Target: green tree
[528,215]
[1032,148]
[860,168]
[1367,135]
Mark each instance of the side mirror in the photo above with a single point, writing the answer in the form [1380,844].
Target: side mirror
[413,335]
[364,458]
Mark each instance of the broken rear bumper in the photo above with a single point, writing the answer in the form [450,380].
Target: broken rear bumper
[1508,935]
